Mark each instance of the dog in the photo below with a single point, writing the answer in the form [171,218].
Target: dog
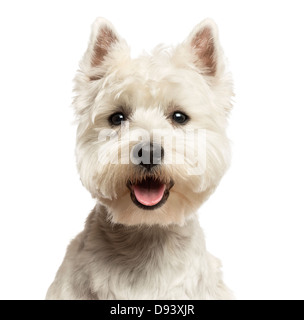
[151,148]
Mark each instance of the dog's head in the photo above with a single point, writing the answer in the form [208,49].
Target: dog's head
[151,141]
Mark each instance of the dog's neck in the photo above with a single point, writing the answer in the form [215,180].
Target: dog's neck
[137,241]
[144,256]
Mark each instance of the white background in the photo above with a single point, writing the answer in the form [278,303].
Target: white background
[254,222]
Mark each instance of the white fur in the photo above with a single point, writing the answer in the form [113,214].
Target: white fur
[126,252]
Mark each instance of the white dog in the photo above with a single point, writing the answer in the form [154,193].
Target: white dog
[151,148]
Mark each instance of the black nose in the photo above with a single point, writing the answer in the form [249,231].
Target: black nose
[148,154]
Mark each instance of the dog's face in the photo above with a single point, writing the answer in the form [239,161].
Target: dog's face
[151,142]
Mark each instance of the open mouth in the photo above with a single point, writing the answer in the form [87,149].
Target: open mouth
[150,193]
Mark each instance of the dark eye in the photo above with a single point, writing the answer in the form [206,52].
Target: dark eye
[117,118]
[179,117]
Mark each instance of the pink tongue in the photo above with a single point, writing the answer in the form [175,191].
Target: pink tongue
[149,194]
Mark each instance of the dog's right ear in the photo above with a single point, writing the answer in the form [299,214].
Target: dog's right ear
[104,39]
[206,53]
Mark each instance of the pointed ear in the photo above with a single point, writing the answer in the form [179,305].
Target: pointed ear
[103,39]
[203,42]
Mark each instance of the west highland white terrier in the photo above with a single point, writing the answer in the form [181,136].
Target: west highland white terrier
[151,148]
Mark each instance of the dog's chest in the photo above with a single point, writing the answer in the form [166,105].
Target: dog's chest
[155,267]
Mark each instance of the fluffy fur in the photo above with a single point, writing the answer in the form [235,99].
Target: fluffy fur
[125,252]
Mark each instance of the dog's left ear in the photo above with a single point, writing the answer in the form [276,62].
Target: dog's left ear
[103,42]
[204,46]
